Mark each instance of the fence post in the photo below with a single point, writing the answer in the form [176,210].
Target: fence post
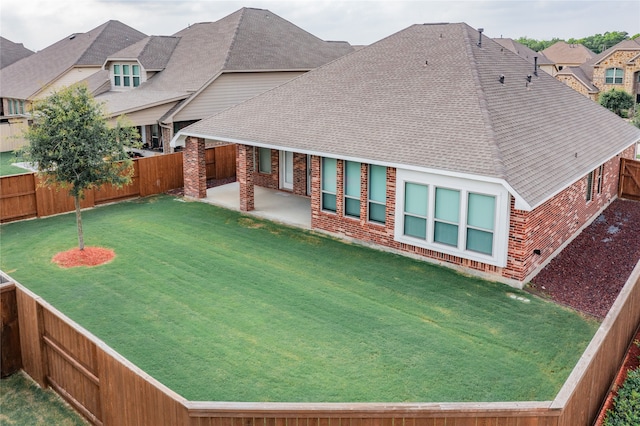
[9,331]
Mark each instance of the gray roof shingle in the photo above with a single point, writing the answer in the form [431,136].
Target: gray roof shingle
[152,52]
[430,97]
[11,52]
[562,52]
[27,77]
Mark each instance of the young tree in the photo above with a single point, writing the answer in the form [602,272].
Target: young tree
[616,101]
[73,147]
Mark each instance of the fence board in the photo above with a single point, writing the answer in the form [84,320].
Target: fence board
[11,359]
[17,197]
[109,193]
[225,166]
[31,349]
[160,173]
[629,182]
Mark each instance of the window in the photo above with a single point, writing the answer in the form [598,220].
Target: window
[480,223]
[136,75]
[416,198]
[599,178]
[453,216]
[613,76]
[264,160]
[15,107]
[329,170]
[352,189]
[116,75]
[447,214]
[590,186]
[125,75]
[377,193]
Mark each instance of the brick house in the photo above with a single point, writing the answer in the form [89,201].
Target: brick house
[77,58]
[433,142]
[164,83]
[616,68]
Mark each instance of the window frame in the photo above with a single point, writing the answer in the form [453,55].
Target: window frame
[327,192]
[126,75]
[613,79]
[261,154]
[372,202]
[589,186]
[347,197]
[501,215]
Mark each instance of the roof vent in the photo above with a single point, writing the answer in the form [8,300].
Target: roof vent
[72,36]
[480,30]
[535,66]
[529,78]
[501,78]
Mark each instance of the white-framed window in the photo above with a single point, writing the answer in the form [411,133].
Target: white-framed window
[15,107]
[589,193]
[599,178]
[264,160]
[614,76]
[457,216]
[352,186]
[126,75]
[377,194]
[329,184]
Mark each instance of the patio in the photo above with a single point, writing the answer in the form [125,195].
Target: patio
[278,206]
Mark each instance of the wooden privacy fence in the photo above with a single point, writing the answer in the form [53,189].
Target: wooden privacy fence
[110,390]
[23,196]
[629,182]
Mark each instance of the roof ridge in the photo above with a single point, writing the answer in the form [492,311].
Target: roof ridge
[84,52]
[500,168]
[234,38]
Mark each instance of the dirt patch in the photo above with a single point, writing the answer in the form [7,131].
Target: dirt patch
[590,272]
[90,256]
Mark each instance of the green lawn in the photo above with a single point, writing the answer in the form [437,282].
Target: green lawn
[6,159]
[221,306]
[23,402]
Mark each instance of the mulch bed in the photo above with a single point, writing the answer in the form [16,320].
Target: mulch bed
[90,256]
[590,272]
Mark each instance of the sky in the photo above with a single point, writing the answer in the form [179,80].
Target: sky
[39,23]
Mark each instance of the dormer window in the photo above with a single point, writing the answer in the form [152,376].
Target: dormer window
[126,75]
[614,76]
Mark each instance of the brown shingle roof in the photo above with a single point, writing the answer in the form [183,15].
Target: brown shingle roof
[27,77]
[523,51]
[430,98]
[564,53]
[152,52]
[11,52]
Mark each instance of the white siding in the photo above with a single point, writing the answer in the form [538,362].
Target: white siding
[147,116]
[74,75]
[229,90]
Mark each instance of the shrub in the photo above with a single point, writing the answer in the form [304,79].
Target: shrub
[626,405]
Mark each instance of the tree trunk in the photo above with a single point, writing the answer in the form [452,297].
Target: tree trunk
[79,223]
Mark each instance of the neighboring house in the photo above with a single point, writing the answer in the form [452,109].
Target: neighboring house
[165,83]
[536,58]
[432,142]
[616,68]
[11,52]
[76,58]
[564,54]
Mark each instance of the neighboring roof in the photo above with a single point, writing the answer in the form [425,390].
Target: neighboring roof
[98,82]
[564,53]
[25,78]
[523,51]
[11,52]
[579,74]
[629,44]
[247,40]
[429,98]
[152,52]
[118,104]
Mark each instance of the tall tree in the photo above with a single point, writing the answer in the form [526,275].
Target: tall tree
[73,146]
[617,101]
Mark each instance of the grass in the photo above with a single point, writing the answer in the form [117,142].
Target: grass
[6,169]
[222,306]
[23,402]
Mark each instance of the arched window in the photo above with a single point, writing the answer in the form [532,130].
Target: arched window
[614,76]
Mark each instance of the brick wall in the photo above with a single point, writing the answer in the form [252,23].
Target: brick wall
[244,176]
[268,180]
[575,84]
[618,59]
[546,228]
[194,168]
